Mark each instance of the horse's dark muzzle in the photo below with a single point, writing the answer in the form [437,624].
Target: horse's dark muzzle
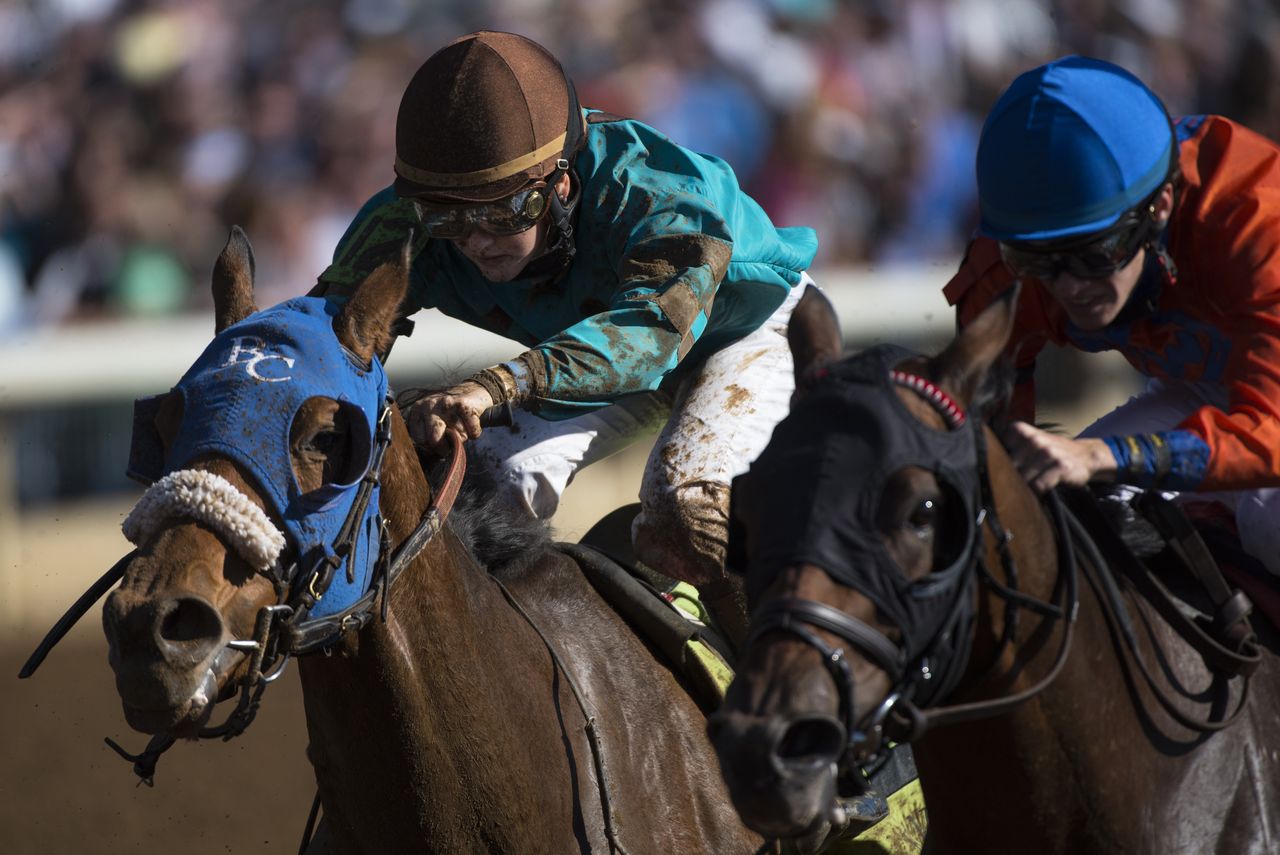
[161,652]
[781,772]
[181,632]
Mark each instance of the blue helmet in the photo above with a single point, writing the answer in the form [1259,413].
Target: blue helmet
[1069,147]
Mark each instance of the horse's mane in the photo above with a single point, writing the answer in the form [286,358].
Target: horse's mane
[501,537]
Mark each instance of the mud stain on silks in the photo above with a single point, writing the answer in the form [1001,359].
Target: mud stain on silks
[684,531]
[738,398]
[675,458]
[750,358]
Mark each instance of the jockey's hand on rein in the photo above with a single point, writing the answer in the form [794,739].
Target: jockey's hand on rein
[1048,459]
[455,409]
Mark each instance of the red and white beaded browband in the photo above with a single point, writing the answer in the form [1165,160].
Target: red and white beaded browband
[951,412]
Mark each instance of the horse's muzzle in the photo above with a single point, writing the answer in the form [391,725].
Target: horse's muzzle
[165,655]
[781,772]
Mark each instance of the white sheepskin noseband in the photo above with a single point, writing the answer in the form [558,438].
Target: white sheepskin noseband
[214,501]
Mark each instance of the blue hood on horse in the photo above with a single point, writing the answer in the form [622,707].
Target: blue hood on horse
[240,399]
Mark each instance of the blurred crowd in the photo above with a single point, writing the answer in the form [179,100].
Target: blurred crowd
[133,133]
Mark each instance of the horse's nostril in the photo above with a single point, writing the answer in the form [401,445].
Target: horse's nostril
[815,741]
[189,627]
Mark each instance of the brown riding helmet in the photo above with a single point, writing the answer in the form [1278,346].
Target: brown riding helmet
[483,117]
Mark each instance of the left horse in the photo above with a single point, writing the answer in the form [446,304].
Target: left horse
[466,708]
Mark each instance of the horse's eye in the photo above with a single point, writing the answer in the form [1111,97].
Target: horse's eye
[323,442]
[924,517]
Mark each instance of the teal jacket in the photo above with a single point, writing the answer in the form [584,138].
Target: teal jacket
[673,262]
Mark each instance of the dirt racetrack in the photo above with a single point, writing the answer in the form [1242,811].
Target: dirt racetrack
[62,790]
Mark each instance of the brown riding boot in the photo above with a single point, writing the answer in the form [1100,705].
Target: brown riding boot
[684,535]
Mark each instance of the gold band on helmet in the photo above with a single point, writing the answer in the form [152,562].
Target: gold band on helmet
[481,176]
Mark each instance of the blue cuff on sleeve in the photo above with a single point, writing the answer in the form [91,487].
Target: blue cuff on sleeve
[1171,460]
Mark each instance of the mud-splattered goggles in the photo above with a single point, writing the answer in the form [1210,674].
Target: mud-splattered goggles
[509,216]
[1094,257]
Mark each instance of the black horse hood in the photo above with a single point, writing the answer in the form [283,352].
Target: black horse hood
[812,496]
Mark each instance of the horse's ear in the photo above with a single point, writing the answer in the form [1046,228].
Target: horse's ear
[965,362]
[364,323]
[813,334]
[233,281]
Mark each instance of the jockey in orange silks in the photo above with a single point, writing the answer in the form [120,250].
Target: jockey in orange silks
[1156,238]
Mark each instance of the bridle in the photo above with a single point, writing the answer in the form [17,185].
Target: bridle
[283,629]
[916,681]
[298,592]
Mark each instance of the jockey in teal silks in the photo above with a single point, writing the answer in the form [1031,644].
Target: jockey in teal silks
[650,293]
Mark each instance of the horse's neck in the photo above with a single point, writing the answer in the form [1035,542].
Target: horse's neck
[1024,516]
[981,768]
[446,632]
[419,718]
[1038,769]
[383,718]
[1021,553]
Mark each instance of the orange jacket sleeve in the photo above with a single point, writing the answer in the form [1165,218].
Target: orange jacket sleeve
[1226,241]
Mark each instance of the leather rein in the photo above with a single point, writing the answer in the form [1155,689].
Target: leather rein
[281,630]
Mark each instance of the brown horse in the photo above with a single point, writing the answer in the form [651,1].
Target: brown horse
[895,560]
[500,708]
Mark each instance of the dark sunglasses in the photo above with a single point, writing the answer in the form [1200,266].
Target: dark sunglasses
[1095,257]
[509,216]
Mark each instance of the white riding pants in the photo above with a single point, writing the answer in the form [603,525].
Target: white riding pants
[718,420]
[1165,403]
